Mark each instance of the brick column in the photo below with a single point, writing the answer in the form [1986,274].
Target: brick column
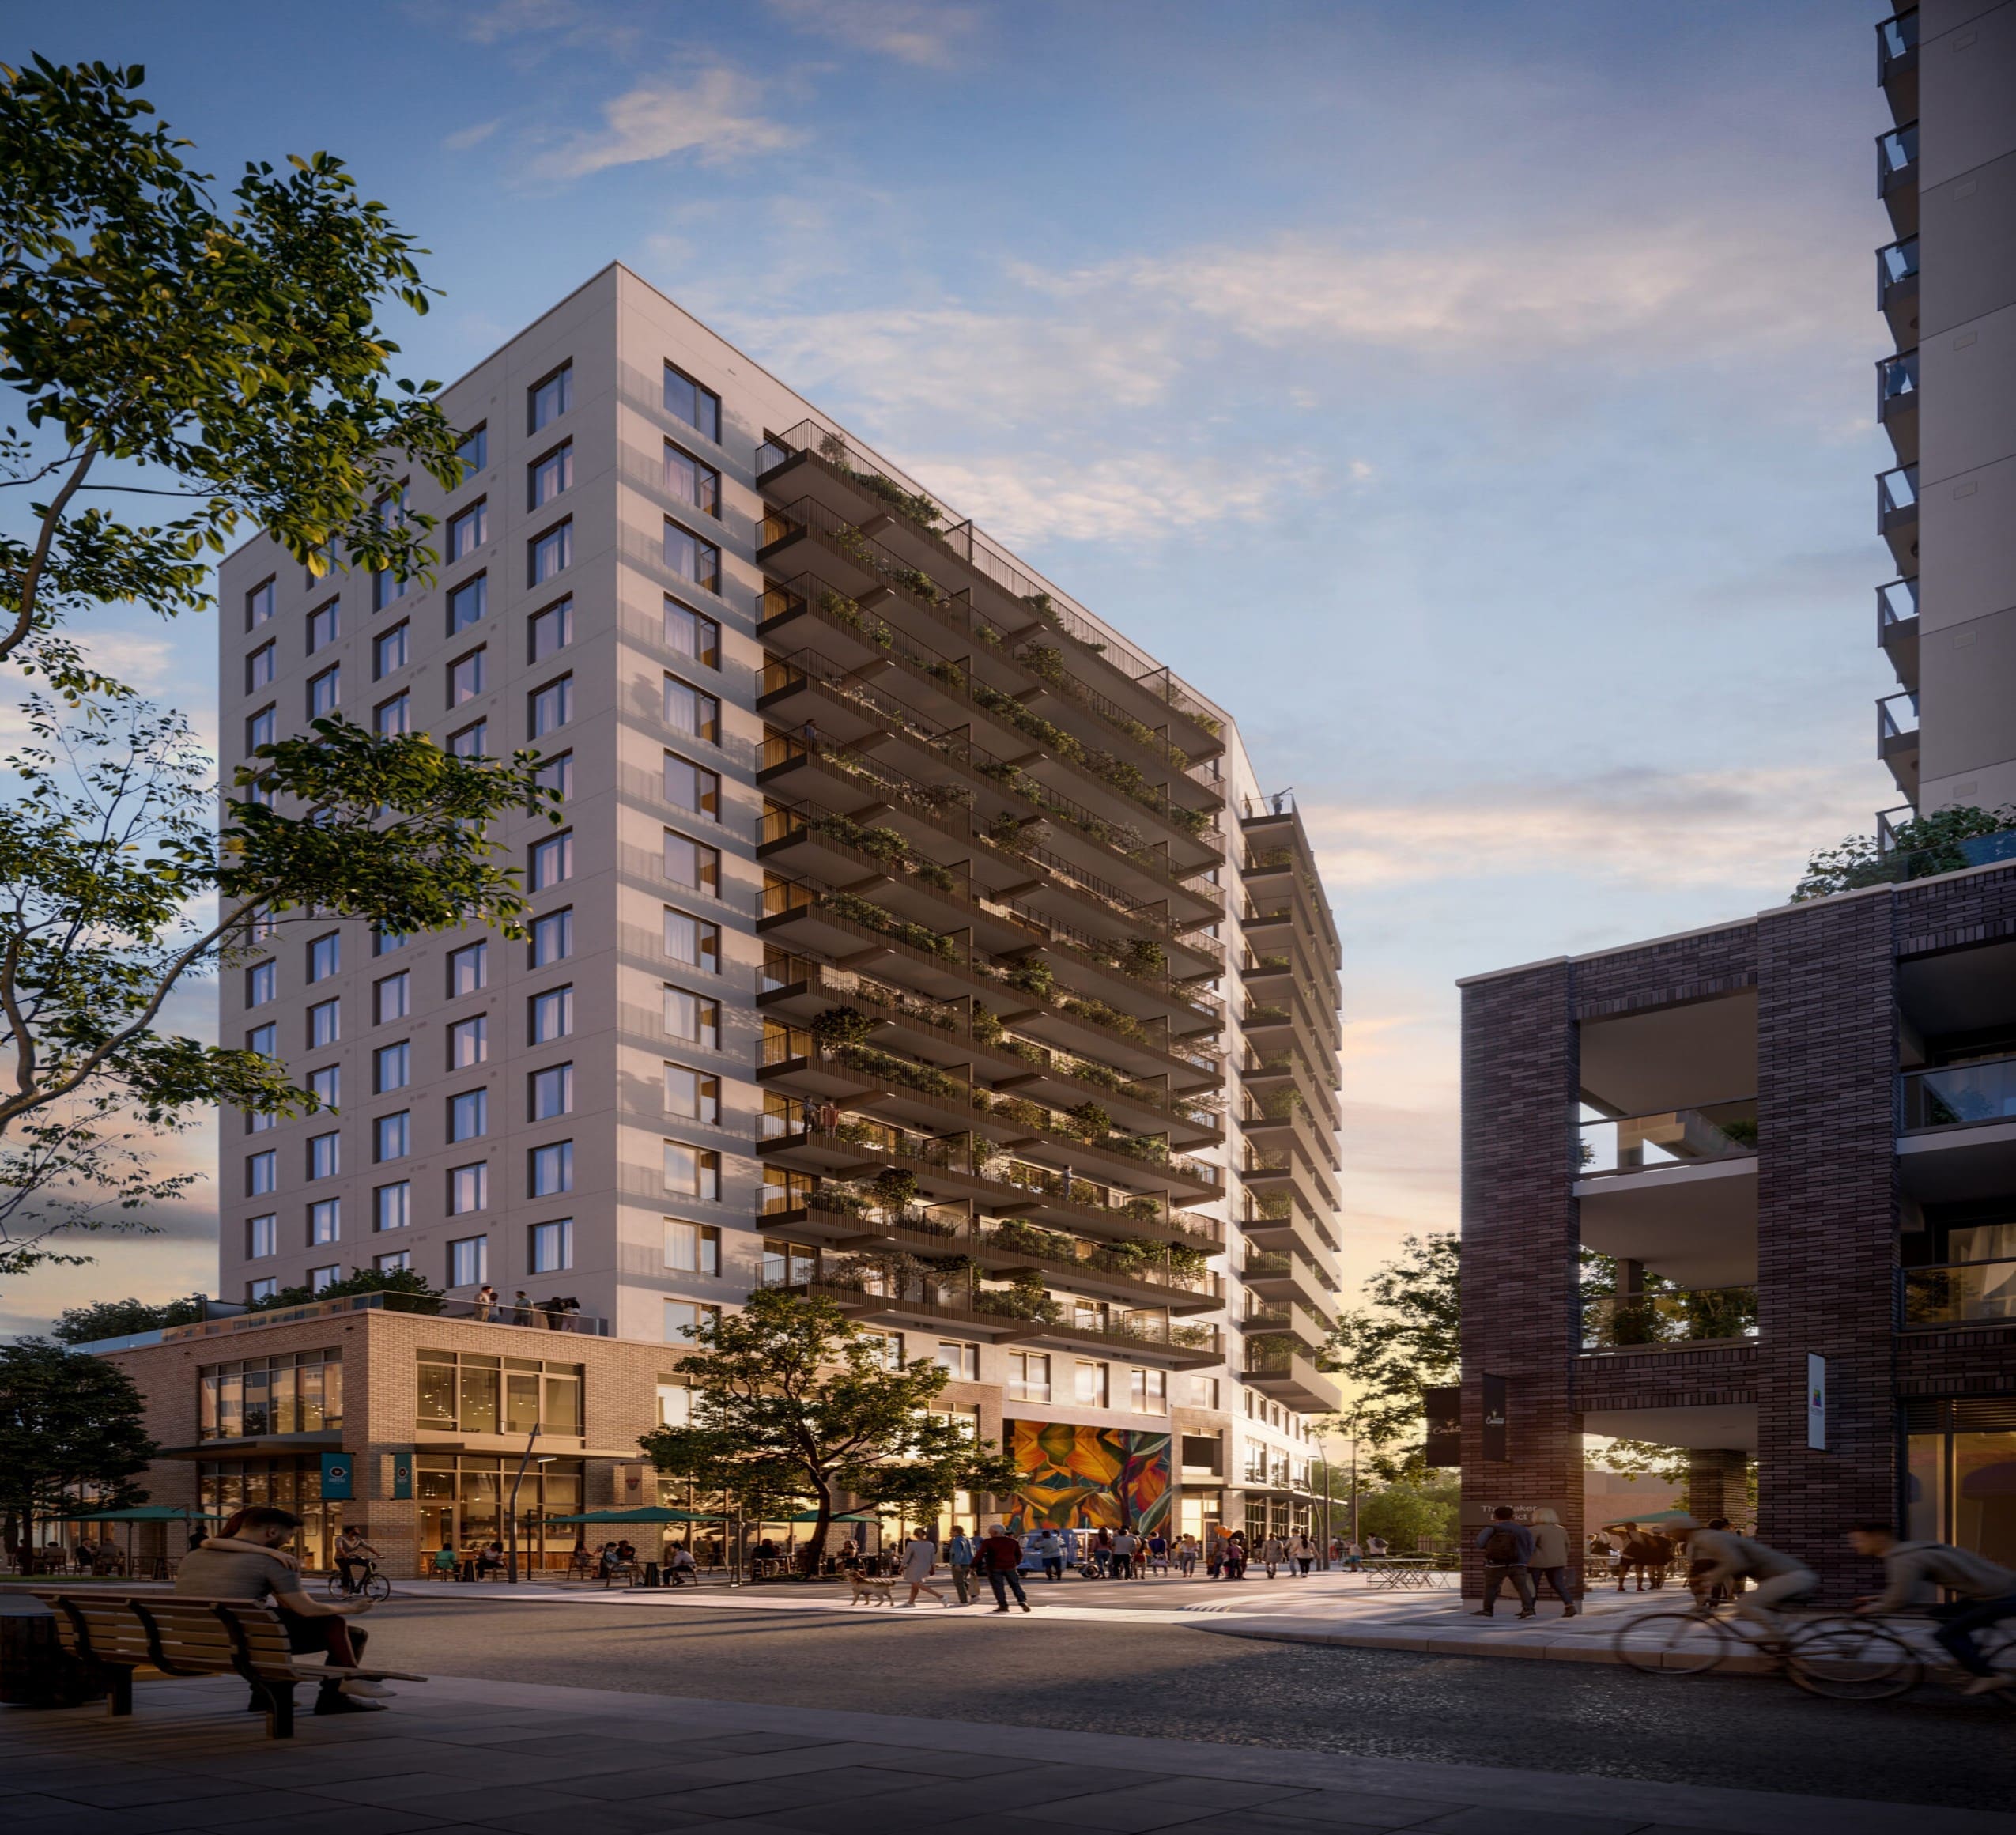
[1520,1234]
[1827,1210]
[1715,1483]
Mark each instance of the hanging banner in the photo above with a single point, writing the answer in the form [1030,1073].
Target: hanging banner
[1444,1408]
[402,1475]
[1494,1419]
[1816,1403]
[338,1482]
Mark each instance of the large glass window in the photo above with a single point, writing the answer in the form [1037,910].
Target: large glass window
[552,1015]
[474,450]
[692,1248]
[552,474]
[552,398]
[552,630]
[550,1247]
[693,1095]
[296,1392]
[551,1169]
[390,649]
[469,1116]
[692,1018]
[550,554]
[691,481]
[549,708]
[694,403]
[552,938]
[691,634]
[1961,1477]
[469,969]
[468,602]
[692,864]
[691,557]
[259,605]
[325,692]
[692,787]
[468,530]
[324,625]
[469,1189]
[325,1023]
[551,1092]
[691,1171]
[693,941]
[469,1042]
[691,711]
[469,1261]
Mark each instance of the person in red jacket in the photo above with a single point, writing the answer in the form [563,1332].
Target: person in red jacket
[1003,1554]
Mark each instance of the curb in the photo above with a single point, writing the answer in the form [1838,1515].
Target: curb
[1432,1644]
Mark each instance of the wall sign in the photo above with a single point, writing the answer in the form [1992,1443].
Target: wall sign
[1494,1419]
[1444,1408]
[402,1475]
[1816,1403]
[337,1481]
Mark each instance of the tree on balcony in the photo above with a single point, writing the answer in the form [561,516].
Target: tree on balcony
[1921,847]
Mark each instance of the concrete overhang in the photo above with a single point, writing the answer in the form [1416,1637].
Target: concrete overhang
[1730,1426]
[1696,1224]
[1946,1165]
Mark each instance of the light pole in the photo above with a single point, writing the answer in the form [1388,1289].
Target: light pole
[511,1509]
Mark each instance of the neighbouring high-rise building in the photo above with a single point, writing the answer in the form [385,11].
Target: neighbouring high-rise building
[910,937]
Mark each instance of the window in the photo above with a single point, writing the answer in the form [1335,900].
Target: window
[474,450]
[692,863]
[553,630]
[690,558]
[393,719]
[556,776]
[686,400]
[552,938]
[690,481]
[885,1347]
[551,1092]
[469,1188]
[1147,1391]
[551,399]
[325,1155]
[690,711]
[551,706]
[479,1398]
[323,1277]
[469,1116]
[960,1362]
[692,1248]
[551,1170]
[261,982]
[393,1261]
[1092,1384]
[691,634]
[469,1262]
[692,1018]
[388,650]
[675,1404]
[264,1039]
[257,1121]
[553,860]
[693,1171]
[292,1392]
[551,1247]
[325,1221]
[325,692]
[693,1095]
[469,969]
[261,729]
[391,1206]
[262,1173]
[391,1067]
[468,530]
[325,1024]
[471,741]
[692,787]
[552,474]
[1203,1394]
[326,1085]
[392,1136]
[552,1015]
[686,1321]
[466,677]
[469,1042]
[468,603]
[1028,1376]
[265,1289]
[550,553]
[262,1236]
[324,625]
[693,941]
[259,605]
[325,956]
[392,998]
[788,1264]
[259,666]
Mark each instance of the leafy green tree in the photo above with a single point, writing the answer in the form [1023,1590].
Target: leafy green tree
[1407,1340]
[224,357]
[1924,845]
[406,1281]
[120,1318]
[793,1401]
[67,1420]
[1407,1512]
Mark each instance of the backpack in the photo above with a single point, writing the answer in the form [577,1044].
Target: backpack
[1501,1546]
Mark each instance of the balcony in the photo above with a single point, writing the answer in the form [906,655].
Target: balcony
[1276,1368]
[1956,1293]
[1681,1317]
[1722,1131]
[1896,515]
[1958,1126]
[1896,176]
[1959,1095]
[1677,1190]
[1277,1318]
[531,1317]
[1896,403]
[1275,1275]
[1897,288]
[1897,61]
[1896,627]
[1897,738]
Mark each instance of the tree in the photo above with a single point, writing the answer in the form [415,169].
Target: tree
[1406,1341]
[793,1401]
[1407,1512]
[120,1318]
[68,1422]
[1924,845]
[406,1281]
[230,353]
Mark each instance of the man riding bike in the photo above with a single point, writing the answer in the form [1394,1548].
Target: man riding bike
[1777,1577]
[353,1557]
[1988,1594]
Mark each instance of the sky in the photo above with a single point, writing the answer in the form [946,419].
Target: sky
[1475,398]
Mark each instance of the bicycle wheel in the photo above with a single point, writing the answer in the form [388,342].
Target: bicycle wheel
[1849,1659]
[1668,1644]
[334,1587]
[376,1588]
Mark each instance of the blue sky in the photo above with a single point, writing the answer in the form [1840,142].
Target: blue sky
[1474,397]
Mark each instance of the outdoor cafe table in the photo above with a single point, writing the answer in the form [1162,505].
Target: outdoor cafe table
[1392,1573]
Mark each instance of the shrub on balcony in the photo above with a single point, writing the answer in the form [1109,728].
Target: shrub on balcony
[842,1200]
[1099,1013]
[1924,846]
[1025,1239]
[1024,1298]
[1007,830]
[865,911]
[1033,976]
[891,1069]
[894,1188]
[1094,1124]
[1150,1148]
[914,579]
[985,1025]
[1143,1209]
[1147,957]
[843,1025]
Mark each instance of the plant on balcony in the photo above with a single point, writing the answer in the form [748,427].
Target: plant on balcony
[1153,1149]
[1924,846]
[1094,1124]
[1024,1297]
[1022,1112]
[1099,1013]
[1741,1130]
[1033,976]
[915,579]
[1279,1104]
[410,1288]
[1144,1210]
[1008,830]
[1148,957]
[843,1025]
[932,873]
[985,1024]
[891,1069]
[1264,1013]
[1041,604]
[875,917]
[1025,1239]
[842,1200]
[1275,1206]
[884,845]
[1193,1337]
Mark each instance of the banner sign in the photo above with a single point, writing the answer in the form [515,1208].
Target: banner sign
[402,1475]
[337,1479]
[1816,1403]
[1444,1408]
[1494,1419]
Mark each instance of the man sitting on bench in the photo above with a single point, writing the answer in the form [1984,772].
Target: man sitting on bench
[246,1563]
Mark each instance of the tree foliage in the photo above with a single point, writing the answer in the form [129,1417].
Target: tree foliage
[1407,1512]
[121,1318]
[794,1403]
[1406,1340]
[406,1281]
[1924,845]
[67,1420]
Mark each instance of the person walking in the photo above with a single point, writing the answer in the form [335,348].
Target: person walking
[1048,1548]
[1003,1554]
[1073,1552]
[1124,1545]
[1102,1552]
[1221,1548]
[920,1556]
[1508,1549]
[959,1557]
[1304,1552]
[1631,1554]
[1235,1559]
[1550,1559]
[1911,1570]
[1187,1552]
[1659,1557]
[1158,1554]
[1273,1551]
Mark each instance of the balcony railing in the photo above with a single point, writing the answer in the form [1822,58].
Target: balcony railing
[1897,380]
[1896,491]
[1958,1095]
[1896,601]
[536,1314]
[1897,264]
[1680,1317]
[1957,1294]
[1897,719]
[1896,153]
[1897,42]
[1721,1131]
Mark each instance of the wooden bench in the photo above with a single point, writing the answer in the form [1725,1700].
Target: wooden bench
[117,1632]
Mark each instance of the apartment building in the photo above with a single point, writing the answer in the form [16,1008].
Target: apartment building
[1750,1190]
[910,937]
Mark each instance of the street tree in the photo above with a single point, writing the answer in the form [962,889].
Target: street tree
[1406,1340]
[70,1426]
[792,1401]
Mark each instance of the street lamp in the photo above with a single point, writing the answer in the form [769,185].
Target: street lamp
[511,1509]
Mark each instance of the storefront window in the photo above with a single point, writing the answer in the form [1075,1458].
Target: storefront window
[463,1497]
[293,1484]
[1961,1474]
[479,1400]
[300,1392]
[485,1395]
[1984,1494]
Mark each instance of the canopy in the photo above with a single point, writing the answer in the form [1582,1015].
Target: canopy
[644,1513]
[146,1513]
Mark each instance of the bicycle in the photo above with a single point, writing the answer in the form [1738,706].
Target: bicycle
[1842,1657]
[374,1585]
[1996,1643]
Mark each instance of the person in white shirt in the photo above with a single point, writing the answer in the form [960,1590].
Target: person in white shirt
[1273,1551]
[920,1556]
[1986,1591]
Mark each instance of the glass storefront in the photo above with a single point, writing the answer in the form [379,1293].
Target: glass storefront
[463,1497]
[480,1394]
[299,1392]
[292,1484]
[1961,1475]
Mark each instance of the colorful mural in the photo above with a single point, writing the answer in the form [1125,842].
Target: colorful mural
[1095,1478]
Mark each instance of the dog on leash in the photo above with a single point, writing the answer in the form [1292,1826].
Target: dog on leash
[876,1592]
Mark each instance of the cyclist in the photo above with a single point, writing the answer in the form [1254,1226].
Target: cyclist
[353,1557]
[1912,1569]
[1729,1556]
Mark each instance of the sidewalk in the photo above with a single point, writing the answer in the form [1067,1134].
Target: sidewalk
[456,1757]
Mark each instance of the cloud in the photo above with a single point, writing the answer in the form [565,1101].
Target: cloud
[508,19]
[925,33]
[713,116]
[468,137]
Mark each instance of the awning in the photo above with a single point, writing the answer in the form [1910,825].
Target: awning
[144,1513]
[645,1513]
